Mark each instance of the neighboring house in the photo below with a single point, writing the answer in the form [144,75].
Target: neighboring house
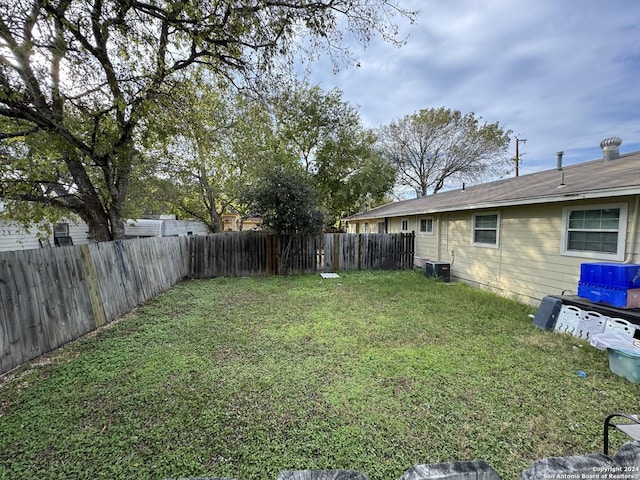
[13,236]
[232,221]
[526,236]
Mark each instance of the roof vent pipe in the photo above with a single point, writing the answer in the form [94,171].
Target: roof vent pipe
[559,160]
[610,148]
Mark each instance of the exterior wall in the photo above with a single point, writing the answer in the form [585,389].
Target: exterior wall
[163,228]
[427,243]
[250,224]
[394,225]
[143,228]
[172,228]
[79,232]
[232,223]
[15,237]
[528,263]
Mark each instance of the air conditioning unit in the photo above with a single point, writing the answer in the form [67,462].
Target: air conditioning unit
[440,270]
[61,230]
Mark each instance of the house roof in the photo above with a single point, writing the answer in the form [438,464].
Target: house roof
[595,179]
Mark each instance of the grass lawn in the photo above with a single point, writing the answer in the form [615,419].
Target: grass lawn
[246,377]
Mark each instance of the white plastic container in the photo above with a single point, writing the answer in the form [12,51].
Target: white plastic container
[625,364]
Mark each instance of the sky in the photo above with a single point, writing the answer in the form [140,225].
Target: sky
[562,74]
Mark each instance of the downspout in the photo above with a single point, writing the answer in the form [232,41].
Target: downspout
[438,238]
[634,230]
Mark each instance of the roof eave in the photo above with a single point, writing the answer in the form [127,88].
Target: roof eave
[566,197]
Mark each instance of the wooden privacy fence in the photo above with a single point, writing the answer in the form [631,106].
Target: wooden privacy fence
[260,253]
[51,296]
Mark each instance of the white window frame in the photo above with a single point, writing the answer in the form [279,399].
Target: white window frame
[622,232]
[402,225]
[497,229]
[426,232]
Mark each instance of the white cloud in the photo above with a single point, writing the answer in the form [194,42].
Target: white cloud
[563,74]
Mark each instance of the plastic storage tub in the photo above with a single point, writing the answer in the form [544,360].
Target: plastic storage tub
[625,364]
[616,297]
[615,275]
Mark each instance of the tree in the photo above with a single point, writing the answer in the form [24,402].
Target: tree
[352,174]
[327,136]
[432,146]
[83,78]
[286,202]
[220,141]
[308,117]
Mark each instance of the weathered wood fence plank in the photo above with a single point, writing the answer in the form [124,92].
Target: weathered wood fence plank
[51,296]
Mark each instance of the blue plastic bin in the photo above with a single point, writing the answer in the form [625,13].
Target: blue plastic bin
[616,297]
[617,275]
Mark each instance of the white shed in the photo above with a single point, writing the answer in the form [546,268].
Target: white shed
[145,227]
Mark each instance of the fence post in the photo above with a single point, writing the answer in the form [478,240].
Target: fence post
[93,288]
[411,250]
[336,252]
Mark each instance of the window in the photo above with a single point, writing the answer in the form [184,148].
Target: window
[595,232]
[366,227]
[381,227]
[426,225]
[61,230]
[405,226]
[61,236]
[485,230]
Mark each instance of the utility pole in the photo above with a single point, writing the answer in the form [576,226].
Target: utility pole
[517,159]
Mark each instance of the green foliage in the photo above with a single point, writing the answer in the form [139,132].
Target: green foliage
[216,142]
[286,202]
[327,135]
[434,146]
[86,79]
[244,378]
[352,174]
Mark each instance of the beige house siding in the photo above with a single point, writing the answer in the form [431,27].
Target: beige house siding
[528,263]
[394,225]
[427,243]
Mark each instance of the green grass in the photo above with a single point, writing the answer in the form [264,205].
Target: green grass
[244,378]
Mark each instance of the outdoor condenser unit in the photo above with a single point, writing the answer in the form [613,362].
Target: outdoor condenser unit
[440,270]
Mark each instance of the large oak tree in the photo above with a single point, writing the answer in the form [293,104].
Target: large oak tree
[80,81]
